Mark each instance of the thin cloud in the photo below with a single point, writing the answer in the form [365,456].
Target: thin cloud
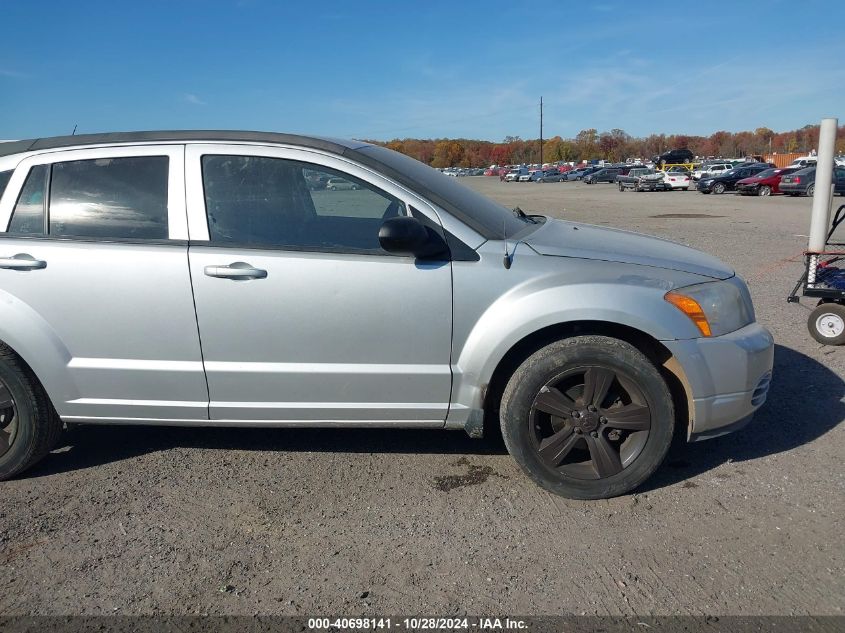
[193,99]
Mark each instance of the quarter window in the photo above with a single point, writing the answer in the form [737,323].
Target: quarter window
[118,198]
[28,216]
[260,201]
[5,176]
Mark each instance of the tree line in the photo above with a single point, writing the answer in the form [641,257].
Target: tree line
[614,145]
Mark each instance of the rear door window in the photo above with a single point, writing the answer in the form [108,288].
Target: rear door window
[111,198]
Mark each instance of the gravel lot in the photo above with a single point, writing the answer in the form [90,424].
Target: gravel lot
[318,522]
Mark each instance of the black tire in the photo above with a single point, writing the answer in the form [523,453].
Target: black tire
[719,188]
[624,458]
[30,428]
[827,324]
[765,190]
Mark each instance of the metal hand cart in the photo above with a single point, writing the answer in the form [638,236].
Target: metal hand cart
[824,279]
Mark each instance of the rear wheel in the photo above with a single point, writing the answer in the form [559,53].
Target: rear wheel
[588,417]
[765,190]
[827,324]
[29,427]
[811,189]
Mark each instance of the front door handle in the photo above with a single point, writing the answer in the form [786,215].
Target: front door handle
[238,270]
[22,261]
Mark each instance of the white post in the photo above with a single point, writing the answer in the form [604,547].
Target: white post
[820,219]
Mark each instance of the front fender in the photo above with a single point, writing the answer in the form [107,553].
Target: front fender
[619,294]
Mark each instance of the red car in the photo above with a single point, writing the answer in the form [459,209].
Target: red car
[763,184]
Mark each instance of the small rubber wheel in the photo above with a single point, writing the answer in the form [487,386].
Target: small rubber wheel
[827,324]
[719,187]
[29,426]
[588,417]
[765,190]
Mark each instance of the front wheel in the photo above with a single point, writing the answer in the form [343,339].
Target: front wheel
[621,188]
[719,188]
[765,190]
[827,324]
[588,417]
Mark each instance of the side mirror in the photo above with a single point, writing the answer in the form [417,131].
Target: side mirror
[406,235]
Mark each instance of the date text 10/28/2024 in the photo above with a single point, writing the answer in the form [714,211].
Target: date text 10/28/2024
[417,624]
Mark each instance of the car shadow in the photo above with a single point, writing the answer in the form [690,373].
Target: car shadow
[804,403]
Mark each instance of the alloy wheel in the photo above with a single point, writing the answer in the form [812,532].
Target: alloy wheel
[8,419]
[589,422]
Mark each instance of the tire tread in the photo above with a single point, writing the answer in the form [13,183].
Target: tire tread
[47,427]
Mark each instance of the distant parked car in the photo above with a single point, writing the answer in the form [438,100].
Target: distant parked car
[532,176]
[676,180]
[551,175]
[765,183]
[576,174]
[711,170]
[641,179]
[338,184]
[728,180]
[514,174]
[674,157]
[806,161]
[606,174]
[803,182]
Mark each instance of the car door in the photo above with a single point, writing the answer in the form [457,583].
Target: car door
[94,256]
[302,317]
[839,180]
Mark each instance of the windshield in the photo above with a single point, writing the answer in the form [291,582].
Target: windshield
[490,219]
[766,173]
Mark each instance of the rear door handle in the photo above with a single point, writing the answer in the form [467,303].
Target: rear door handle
[237,270]
[22,261]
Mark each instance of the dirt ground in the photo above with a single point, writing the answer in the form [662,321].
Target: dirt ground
[345,522]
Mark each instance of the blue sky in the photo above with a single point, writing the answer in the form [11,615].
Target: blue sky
[423,69]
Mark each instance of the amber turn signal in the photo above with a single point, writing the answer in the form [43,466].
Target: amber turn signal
[691,308]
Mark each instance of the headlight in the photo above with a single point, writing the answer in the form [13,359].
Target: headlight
[716,307]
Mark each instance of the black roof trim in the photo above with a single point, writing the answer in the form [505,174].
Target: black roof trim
[334,146]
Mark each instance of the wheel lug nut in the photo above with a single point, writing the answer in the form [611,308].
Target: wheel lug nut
[577,414]
[591,408]
[577,431]
[603,420]
[594,434]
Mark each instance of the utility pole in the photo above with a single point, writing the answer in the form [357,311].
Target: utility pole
[541,131]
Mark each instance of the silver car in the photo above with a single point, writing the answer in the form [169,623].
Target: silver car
[195,278]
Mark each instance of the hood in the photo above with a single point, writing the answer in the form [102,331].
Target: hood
[570,239]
